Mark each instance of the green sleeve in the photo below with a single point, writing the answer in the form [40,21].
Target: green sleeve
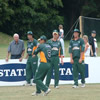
[82,45]
[70,47]
[27,47]
[35,42]
[37,50]
[61,50]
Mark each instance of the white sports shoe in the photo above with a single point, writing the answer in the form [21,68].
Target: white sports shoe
[35,94]
[47,92]
[26,84]
[57,87]
[32,84]
[83,85]
[75,86]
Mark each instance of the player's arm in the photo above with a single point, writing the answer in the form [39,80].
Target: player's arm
[27,52]
[35,47]
[70,51]
[37,51]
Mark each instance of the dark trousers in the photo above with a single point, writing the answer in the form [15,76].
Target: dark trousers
[78,68]
[15,56]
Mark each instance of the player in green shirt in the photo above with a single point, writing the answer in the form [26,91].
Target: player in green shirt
[45,55]
[76,50]
[55,53]
[32,63]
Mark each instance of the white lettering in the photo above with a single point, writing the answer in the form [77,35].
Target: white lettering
[62,70]
[13,73]
[1,73]
[6,72]
[19,72]
[68,72]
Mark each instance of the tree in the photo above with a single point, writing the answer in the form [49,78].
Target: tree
[40,16]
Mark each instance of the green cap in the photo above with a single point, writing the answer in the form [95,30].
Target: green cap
[43,37]
[29,33]
[55,32]
[77,30]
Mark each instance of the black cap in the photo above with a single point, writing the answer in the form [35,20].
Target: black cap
[93,32]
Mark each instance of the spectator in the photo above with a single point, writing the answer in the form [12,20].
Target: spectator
[91,42]
[87,46]
[61,37]
[96,46]
[16,48]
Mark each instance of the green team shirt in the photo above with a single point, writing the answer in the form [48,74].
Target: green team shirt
[30,46]
[76,47]
[56,47]
[45,52]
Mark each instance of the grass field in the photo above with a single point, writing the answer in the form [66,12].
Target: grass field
[65,92]
[5,40]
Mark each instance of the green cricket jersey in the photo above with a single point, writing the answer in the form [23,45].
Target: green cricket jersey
[76,47]
[31,46]
[56,47]
[45,52]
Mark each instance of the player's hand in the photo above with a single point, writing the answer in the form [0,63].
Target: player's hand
[91,53]
[62,62]
[7,59]
[21,59]
[80,60]
[33,56]
[72,61]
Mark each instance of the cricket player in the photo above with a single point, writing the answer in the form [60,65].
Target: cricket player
[32,63]
[55,53]
[45,55]
[76,50]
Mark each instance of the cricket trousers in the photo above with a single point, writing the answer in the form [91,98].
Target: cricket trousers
[41,72]
[54,65]
[78,68]
[31,67]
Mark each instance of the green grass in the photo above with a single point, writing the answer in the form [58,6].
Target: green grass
[66,92]
[6,39]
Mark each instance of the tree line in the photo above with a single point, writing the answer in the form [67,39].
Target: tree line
[43,16]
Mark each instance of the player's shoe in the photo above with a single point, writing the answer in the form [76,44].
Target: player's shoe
[47,92]
[32,84]
[57,87]
[75,86]
[35,94]
[27,84]
[83,85]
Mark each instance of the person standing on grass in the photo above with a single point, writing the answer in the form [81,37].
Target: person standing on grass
[32,63]
[76,50]
[87,46]
[61,38]
[16,48]
[55,53]
[45,55]
[92,44]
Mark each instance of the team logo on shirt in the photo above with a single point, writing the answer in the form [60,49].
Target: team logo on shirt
[55,48]
[29,49]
